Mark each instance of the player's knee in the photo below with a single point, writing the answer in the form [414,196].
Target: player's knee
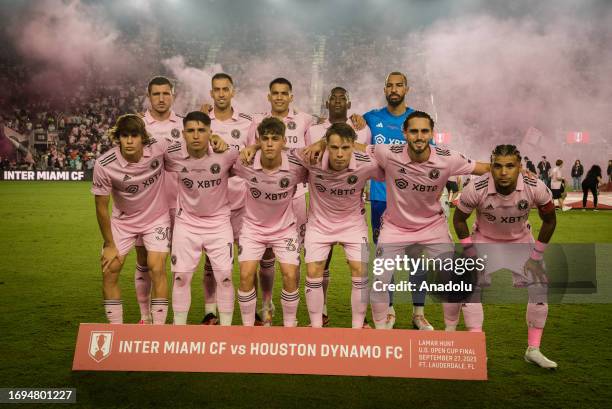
[182,280]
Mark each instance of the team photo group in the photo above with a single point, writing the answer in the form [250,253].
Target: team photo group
[283,187]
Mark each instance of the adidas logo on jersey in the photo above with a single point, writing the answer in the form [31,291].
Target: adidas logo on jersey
[126,177]
[184,170]
[380,125]
[490,207]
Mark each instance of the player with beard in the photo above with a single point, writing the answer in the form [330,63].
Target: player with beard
[162,123]
[502,234]
[233,127]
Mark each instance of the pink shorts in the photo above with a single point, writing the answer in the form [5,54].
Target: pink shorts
[436,233]
[317,245]
[189,242]
[301,217]
[285,245]
[236,220]
[504,255]
[155,236]
[172,214]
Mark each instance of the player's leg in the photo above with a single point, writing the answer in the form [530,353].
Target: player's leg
[219,248]
[157,242]
[379,294]
[377,208]
[142,283]
[113,305]
[286,247]
[186,253]
[313,292]
[301,217]
[267,270]
[209,285]
[326,286]
[250,251]
[357,255]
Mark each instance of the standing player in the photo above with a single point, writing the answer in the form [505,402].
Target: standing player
[203,216]
[234,128]
[502,200]
[162,123]
[338,103]
[132,173]
[296,126]
[269,221]
[337,216]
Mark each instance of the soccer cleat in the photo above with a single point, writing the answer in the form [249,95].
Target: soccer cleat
[210,319]
[534,356]
[566,208]
[450,328]
[421,323]
[325,320]
[145,322]
[258,321]
[366,324]
[391,317]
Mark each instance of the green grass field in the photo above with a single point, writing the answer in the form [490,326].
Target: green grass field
[50,282]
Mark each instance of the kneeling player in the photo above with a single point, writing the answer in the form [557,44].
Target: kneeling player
[203,216]
[132,173]
[502,200]
[337,216]
[269,220]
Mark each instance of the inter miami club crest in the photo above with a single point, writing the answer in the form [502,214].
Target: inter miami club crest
[100,345]
[291,125]
[434,174]
[154,164]
[523,205]
[215,168]
[284,182]
[352,179]
[173,259]
[401,183]
[175,133]
[235,133]
[255,193]
[188,183]
[132,189]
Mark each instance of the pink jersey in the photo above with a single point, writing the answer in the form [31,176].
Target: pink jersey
[500,217]
[269,199]
[316,132]
[413,189]
[203,185]
[136,188]
[170,130]
[336,201]
[235,132]
[297,124]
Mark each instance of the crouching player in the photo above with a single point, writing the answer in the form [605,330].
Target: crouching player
[132,172]
[337,215]
[202,220]
[269,220]
[502,200]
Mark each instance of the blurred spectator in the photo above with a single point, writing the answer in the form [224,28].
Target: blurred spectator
[577,172]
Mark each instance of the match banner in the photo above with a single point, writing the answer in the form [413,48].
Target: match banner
[48,175]
[279,350]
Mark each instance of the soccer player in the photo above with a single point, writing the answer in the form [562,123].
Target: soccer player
[296,126]
[234,128]
[502,200]
[338,103]
[132,173]
[162,123]
[203,217]
[414,221]
[269,220]
[337,216]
